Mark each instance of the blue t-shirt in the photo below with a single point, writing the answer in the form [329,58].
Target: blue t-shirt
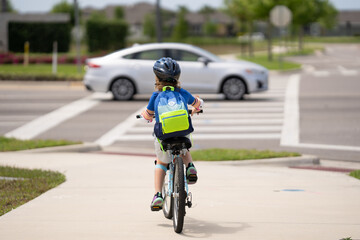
[185,94]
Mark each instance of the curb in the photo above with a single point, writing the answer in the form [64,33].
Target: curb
[78,148]
[284,162]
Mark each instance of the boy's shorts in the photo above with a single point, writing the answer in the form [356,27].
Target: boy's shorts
[164,157]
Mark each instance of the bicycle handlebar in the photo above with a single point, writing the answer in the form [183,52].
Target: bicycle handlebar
[189,111]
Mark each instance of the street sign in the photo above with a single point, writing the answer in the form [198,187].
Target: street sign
[280,16]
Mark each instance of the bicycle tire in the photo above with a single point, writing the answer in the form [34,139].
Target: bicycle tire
[179,196]
[168,200]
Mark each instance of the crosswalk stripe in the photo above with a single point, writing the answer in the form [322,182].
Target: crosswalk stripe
[245,110]
[347,72]
[52,119]
[240,116]
[111,136]
[231,105]
[147,137]
[236,121]
[224,129]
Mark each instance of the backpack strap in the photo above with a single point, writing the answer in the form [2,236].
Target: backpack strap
[167,88]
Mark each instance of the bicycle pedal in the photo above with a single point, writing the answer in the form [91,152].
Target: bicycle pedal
[156,208]
[192,179]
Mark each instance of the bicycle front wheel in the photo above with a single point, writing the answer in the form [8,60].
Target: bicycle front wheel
[179,196]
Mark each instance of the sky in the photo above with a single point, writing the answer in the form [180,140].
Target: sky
[31,6]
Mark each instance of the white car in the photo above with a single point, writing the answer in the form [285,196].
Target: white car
[130,71]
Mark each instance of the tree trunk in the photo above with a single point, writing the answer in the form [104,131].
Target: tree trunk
[251,47]
[269,36]
[301,35]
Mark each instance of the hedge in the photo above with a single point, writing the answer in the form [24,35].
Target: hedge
[40,36]
[106,35]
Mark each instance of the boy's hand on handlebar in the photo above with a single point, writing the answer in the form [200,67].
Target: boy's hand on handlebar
[194,110]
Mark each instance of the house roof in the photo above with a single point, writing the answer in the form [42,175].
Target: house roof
[135,13]
[349,16]
[216,17]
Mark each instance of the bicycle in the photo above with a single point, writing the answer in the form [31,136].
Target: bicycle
[175,189]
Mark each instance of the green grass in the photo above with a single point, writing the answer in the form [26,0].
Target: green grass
[218,154]
[31,183]
[355,174]
[272,65]
[12,144]
[343,39]
[64,71]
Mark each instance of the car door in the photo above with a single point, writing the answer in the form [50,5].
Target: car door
[196,76]
[141,65]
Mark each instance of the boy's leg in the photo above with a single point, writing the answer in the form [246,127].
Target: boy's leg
[160,171]
[191,172]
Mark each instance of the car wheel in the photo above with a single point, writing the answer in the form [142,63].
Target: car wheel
[234,89]
[122,89]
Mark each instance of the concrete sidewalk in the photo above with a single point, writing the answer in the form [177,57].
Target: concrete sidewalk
[108,197]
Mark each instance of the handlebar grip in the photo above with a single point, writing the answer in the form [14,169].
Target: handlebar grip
[138,116]
[201,111]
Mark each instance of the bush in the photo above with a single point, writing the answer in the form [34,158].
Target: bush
[40,36]
[106,35]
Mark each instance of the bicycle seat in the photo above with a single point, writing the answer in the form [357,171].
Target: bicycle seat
[177,143]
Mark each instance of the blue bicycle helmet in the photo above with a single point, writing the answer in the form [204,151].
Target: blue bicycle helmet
[167,70]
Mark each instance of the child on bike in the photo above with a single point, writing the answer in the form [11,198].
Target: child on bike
[167,72]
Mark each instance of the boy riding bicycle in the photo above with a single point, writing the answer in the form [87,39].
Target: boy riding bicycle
[167,72]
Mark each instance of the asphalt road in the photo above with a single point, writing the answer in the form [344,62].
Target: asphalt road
[329,112]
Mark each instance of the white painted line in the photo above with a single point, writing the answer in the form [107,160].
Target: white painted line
[10,123]
[52,119]
[111,136]
[147,137]
[240,115]
[327,147]
[347,72]
[321,73]
[223,129]
[240,109]
[236,121]
[290,131]
[240,104]
[308,68]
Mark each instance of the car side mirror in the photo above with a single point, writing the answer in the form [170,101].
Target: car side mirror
[204,60]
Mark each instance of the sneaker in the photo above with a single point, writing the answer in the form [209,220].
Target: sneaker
[191,174]
[157,202]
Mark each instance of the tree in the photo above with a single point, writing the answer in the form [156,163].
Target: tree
[65,7]
[149,26]
[119,12]
[244,11]
[182,27]
[7,5]
[209,27]
[328,13]
[206,11]
[306,12]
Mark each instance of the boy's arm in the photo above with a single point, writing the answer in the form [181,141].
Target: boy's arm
[198,104]
[148,115]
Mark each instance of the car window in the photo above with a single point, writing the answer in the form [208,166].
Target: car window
[146,55]
[181,55]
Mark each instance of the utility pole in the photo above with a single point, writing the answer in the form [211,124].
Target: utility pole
[3,6]
[158,22]
[77,36]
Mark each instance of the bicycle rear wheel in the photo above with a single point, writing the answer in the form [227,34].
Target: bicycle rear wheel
[179,196]
[168,200]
